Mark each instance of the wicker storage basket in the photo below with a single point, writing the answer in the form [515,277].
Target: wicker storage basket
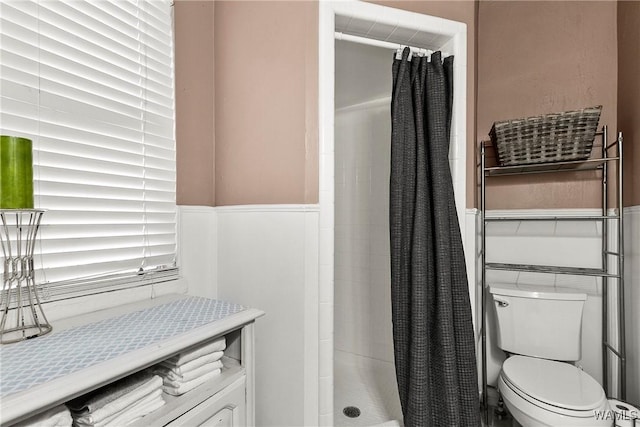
[553,137]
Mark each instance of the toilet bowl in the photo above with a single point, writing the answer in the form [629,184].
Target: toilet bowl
[541,392]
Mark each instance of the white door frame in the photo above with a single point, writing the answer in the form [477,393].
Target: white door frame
[455,34]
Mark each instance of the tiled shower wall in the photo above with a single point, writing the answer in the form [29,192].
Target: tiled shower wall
[362,305]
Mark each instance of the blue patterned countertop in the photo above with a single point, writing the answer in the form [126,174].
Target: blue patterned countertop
[40,360]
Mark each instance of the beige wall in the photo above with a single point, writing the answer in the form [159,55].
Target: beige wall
[532,58]
[266,133]
[267,129]
[538,57]
[266,102]
[194,102]
[629,96]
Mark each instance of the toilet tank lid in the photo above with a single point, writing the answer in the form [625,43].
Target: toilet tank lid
[537,291]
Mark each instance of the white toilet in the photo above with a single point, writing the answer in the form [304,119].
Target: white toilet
[540,327]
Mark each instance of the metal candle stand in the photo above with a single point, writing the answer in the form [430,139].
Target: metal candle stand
[21,314]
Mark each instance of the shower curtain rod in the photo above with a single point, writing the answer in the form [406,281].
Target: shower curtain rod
[380,43]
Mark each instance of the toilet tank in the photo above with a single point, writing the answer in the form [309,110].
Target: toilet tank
[539,321]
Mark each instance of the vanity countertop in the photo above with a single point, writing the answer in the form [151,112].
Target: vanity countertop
[89,351]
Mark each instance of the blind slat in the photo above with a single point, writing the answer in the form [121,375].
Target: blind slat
[92,84]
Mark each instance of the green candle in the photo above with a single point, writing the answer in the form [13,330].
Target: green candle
[16,173]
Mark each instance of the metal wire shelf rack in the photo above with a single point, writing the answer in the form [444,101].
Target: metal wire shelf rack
[610,272]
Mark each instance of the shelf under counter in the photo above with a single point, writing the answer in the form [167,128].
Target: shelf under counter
[176,406]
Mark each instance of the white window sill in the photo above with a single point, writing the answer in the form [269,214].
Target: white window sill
[72,307]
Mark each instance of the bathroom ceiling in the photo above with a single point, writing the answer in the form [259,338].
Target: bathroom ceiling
[391,33]
[363,72]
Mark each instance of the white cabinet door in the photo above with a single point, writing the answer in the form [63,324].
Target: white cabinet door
[223,418]
[227,408]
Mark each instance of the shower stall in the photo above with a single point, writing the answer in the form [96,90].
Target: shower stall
[364,375]
[357,384]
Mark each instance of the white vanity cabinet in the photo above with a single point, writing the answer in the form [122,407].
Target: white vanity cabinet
[227,408]
[88,352]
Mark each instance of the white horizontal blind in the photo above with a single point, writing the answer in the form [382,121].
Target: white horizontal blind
[92,84]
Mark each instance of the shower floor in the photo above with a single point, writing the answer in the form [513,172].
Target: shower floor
[369,385]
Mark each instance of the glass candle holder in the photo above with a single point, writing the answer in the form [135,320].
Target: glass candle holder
[16,173]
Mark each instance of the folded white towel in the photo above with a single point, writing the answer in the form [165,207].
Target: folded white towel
[93,417]
[168,374]
[218,345]
[142,407]
[138,410]
[143,411]
[96,399]
[54,417]
[190,385]
[193,364]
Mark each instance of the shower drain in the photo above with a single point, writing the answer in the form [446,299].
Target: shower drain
[351,411]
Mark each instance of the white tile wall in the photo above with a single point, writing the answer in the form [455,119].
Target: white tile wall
[362,305]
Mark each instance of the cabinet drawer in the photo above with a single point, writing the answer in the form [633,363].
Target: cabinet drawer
[227,408]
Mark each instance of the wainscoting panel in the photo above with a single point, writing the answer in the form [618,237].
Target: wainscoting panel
[268,259]
[197,249]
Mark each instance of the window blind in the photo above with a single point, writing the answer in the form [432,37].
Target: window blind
[92,84]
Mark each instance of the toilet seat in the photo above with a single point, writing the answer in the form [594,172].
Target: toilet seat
[554,386]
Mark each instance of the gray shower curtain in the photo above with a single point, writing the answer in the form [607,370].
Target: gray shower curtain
[432,326]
